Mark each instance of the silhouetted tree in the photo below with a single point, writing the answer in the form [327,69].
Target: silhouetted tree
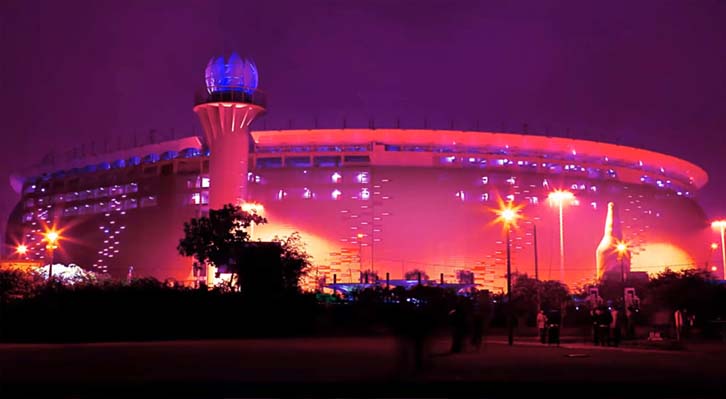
[220,239]
[694,290]
[296,261]
[465,276]
[413,275]
[370,276]
[528,295]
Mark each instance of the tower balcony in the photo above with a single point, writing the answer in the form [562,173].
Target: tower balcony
[230,94]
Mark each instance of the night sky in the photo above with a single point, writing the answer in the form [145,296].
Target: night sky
[643,73]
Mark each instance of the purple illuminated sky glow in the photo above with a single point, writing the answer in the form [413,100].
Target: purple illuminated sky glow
[643,73]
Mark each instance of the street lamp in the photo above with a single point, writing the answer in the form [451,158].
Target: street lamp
[622,249]
[508,215]
[559,197]
[721,225]
[21,250]
[360,255]
[51,237]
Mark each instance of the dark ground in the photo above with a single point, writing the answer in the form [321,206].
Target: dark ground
[354,367]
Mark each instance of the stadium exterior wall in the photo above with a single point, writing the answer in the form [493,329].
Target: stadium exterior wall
[418,199]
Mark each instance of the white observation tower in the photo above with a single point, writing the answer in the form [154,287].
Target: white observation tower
[226,109]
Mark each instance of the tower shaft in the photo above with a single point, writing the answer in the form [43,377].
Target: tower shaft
[226,128]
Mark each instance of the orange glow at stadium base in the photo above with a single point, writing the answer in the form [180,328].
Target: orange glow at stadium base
[656,257]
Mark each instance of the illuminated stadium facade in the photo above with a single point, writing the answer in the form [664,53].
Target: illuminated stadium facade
[388,200]
[420,199]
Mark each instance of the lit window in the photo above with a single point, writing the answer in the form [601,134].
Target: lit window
[484,180]
[336,177]
[364,194]
[196,198]
[336,194]
[512,180]
[362,178]
[545,184]
[593,205]
[593,189]
[533,200]
[510,198]
[205,182]
[281,194]
[307,194]
[461,195]
[485,197]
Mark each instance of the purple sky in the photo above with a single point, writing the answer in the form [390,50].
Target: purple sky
[642,73]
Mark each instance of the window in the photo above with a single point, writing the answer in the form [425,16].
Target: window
[298,162]
[130,203]
[307,194]
[327,161]
[268,163]
[362,178]
[336,194]
[336,177]
[148,201]
[357,159]
[364,194]
[131,188]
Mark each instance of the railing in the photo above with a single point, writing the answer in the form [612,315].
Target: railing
[231,94]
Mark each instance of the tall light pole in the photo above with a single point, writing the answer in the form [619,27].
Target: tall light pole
[508,215]
[721,225]
[360,255]
[51,237]
[559,197]
[622,249]
[536,261]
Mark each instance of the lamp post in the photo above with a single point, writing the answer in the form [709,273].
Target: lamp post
[51,237]
[360,254]
[559,197]
[536,264]
[721,225]
[714,247]
[508,215]
[622,249]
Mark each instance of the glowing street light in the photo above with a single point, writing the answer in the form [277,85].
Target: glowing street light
[559,197]
[51,237]
[21,249]
[507,214]
[721,225]
[622,249]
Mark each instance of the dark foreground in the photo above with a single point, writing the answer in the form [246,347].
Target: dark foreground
[354,367]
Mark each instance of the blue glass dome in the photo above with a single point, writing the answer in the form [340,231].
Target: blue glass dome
[234,75]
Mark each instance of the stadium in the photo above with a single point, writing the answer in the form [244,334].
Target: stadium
[386,200]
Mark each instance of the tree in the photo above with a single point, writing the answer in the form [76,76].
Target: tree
[219,238]
[694,290]
[413,275]
[529,295]
[296,261]
[465,276]
[369,276]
